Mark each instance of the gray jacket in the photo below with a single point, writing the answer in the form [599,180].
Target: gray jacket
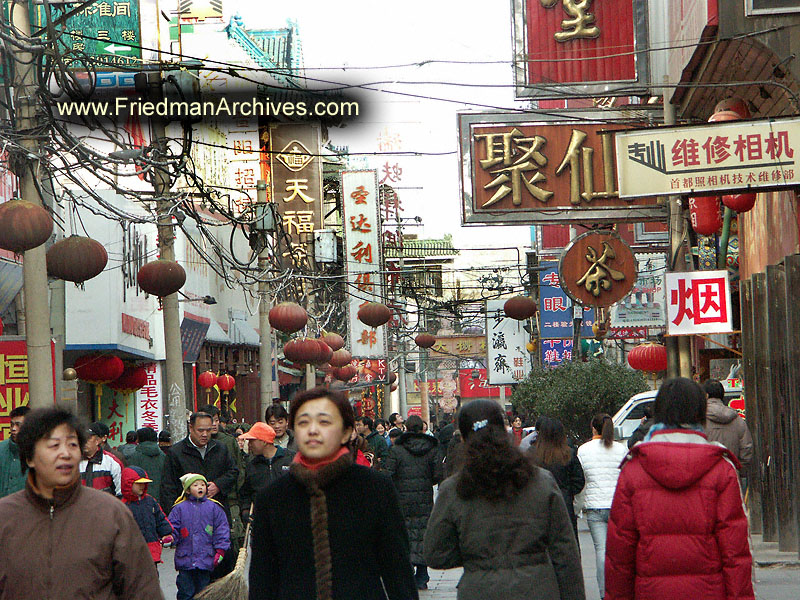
[724,425]
[522,548]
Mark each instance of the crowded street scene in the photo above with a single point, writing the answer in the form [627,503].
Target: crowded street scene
[360,300]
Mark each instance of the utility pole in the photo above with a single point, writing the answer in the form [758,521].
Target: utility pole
[265,303]
[176,394]
[34,266]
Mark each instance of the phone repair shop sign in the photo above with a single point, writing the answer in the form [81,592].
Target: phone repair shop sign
[709,159]
[698,302]
[524,169]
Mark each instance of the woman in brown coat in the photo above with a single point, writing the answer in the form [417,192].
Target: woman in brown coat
[503,520]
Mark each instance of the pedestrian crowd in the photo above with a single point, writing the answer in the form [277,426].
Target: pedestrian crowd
[342,507]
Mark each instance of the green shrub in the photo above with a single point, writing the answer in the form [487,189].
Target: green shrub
[575,391]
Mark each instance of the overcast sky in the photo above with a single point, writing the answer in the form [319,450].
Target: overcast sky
[349,34]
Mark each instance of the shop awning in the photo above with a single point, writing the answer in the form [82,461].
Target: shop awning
[216,334]
[241,332]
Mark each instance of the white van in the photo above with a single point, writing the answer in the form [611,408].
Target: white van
[630,415]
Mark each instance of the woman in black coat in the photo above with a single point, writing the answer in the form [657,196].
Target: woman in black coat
[331,530]
[415,466]
[551,451]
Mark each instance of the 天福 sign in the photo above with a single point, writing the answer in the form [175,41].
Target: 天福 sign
[516,170]
[709,159]
[698,302]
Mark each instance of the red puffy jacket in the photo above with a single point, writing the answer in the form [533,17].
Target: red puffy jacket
[677,526]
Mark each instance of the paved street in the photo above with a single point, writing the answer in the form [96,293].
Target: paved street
[772,583]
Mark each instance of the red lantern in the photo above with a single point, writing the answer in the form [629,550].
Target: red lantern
[23,225]
[741,203]
[425,340]
[345,373]
[334,340]
[648,357]
[132,379]
[706,214]
[288,317]
[393,387]
[734,105]
[161,277]
[392,377]
[302,351]
[225,383]
[207,379]
[99,368]
[520,308]
[76,259]
[374,314]
[324,352]
[340,358]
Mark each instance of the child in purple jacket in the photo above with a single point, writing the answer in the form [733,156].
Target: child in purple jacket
[203,535]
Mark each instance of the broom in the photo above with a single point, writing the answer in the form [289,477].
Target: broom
[234,585]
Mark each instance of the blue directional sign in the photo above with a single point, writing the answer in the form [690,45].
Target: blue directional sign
[555,308]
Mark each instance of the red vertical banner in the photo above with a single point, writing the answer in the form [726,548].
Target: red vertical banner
[14,379]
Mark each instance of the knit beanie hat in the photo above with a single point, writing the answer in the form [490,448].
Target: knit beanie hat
[188,479]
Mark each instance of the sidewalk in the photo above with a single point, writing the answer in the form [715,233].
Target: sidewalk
[766,554]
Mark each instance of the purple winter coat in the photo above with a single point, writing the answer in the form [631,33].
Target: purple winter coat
[202,530]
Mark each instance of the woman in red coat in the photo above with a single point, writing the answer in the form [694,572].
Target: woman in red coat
[677,527]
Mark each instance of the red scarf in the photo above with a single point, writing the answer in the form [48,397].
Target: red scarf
[317,464]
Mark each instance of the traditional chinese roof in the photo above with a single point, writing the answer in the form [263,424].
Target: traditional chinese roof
[416,248]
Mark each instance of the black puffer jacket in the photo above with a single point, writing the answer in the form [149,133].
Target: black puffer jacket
[415,466]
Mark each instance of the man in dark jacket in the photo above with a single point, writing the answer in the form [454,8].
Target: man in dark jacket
[267,463]
[415,466]
[129,446]
[724,425]
[12,475]
[277,418]
[149,457]
[365,427]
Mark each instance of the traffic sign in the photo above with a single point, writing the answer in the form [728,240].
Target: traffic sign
[108,31]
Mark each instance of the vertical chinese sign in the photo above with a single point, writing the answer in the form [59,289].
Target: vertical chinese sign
[149,400]
[363,259]
[244,166]
[118,411]
[515,170]
[564,47]
[297,188]
[507,358]
[555,308]
[699,302]
[14,379]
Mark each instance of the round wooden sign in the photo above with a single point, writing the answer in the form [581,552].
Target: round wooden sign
[597,269]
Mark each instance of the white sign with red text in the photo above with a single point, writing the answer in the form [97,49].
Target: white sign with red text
[150,400]
[507,357]
[363,259]
[698,302]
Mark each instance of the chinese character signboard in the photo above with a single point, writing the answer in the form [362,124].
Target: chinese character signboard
[645,305]
[363,259]
[565,47]
[297,187]
[472,383]
[518,170]
[14,378]
[149,399]
[244,160]
[508,360]
[706,159]
[118,411]
[555,308]
[370,371]
[597,269]
[459,345]
[555,352]
[698,302]
[108,31]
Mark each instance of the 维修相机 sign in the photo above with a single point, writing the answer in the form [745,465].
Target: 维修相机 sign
[705,159]
[698,302]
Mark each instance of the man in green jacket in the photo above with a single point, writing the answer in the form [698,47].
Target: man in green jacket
[365,426]
[149,457]
[12,477]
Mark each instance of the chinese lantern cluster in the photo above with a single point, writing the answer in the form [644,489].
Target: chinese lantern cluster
[23,226]
[345,373]
[307,351]
[99,368]
[651,358]
[133,378]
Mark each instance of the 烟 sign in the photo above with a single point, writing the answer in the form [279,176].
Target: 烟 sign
[698,302]
[706,159]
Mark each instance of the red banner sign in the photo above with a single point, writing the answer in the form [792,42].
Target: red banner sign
[14,379]
[478,387]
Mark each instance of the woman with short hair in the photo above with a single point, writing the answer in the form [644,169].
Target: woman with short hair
[331,529]
[678,527]
[503,519]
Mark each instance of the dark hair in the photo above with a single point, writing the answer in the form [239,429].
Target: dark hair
[211,410]
[714,389]
[604,424]
[147,434]
[335,396]
[551,446]
[647,411]
[367,421]
[39,423]
[395,433]
[380,422]
[393,419]
[199,415]
[493,468]
[164,436]
[680,401]
[414,424]
[20,411]
[131,437]
[277,412]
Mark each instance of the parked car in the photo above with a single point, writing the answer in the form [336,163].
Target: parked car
[630,415]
